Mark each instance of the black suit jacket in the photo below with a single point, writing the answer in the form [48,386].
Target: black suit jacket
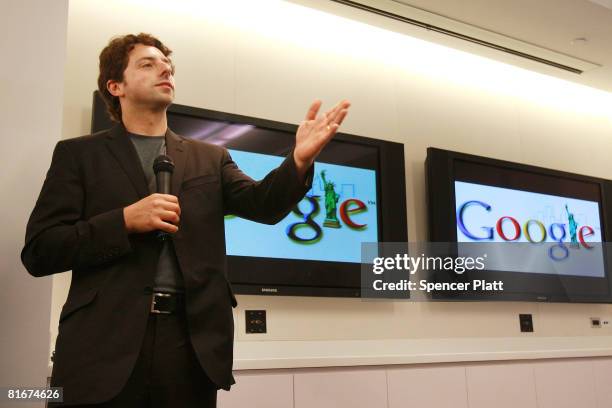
[77,224]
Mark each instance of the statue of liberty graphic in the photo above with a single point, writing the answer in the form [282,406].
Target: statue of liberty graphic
[331,200]
[573,226]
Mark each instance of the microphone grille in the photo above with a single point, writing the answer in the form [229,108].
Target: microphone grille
[163,163]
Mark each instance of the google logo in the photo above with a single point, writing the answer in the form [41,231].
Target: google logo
[556,231]
[347,208]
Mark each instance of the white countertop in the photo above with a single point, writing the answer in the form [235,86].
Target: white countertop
[250,355]
[254,355]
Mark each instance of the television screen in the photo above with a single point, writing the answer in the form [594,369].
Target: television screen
[309,252]
[322,240]
[495,214]
[543,230]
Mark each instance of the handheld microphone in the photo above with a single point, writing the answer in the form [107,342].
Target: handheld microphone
[163,167]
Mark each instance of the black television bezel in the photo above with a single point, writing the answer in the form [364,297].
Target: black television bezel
[442,227]
[391,186]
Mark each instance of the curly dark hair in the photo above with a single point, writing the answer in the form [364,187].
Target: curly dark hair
[113,61]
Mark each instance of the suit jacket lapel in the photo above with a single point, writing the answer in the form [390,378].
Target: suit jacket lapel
[125,153]
[176,148]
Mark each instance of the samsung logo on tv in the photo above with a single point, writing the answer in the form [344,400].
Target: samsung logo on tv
[271,290]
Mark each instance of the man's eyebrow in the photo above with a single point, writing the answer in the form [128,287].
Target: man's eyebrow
[164,59]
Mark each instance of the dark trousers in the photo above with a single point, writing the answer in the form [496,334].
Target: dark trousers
[167,372]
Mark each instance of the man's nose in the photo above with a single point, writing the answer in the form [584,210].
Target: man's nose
[166,70]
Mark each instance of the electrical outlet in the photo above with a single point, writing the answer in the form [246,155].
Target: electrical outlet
[526,322]
[255,321]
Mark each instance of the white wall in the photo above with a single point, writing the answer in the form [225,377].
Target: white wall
[33,49]
[270,59]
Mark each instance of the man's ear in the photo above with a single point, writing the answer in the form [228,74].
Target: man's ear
[115,88]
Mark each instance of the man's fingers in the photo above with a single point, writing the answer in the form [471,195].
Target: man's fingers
[332,111]
[341,115]
[333,117]
[166,202]
[331,114]
[330,117]
[334,123]
[343,105]
[172,207]
[166,197]
[314,109]
[327,119]
[169,216]
[167,227]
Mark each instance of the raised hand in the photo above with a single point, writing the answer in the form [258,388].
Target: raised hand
[316,131]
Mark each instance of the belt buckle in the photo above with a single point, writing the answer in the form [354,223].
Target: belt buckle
[154,302]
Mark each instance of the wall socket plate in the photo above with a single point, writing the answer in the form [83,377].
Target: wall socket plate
[255,321]
[526,322]
[600,322]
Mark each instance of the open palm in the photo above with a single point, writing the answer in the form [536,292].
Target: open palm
[316,131]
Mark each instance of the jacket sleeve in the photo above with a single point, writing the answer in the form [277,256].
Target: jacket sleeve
[57,237]
[269,200]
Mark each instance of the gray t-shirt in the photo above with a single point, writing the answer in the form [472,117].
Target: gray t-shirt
[168,277]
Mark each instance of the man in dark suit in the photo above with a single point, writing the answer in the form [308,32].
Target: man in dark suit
[148,322]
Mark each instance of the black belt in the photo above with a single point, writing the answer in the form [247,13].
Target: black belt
[167,303]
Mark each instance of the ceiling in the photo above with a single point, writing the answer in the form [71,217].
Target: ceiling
[549,24]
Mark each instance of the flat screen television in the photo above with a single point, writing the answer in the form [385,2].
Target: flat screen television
[544,230]
[302,254]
